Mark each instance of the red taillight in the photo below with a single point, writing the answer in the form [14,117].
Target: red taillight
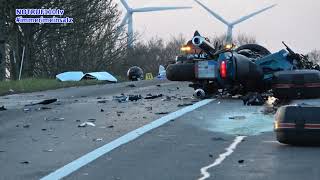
[223,70]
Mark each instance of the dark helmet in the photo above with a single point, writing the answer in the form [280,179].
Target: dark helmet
[135,73]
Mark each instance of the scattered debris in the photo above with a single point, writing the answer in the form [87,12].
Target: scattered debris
[186,104]
[210,155]
[85,124]
[218,139]
[131,85]
[43,108]
[91,120]
[253,99]
[44,102]
[24,162]
[26,109]
[2,108]
[48,150]
[111,126]
[26,126]
[78,120]
[101,110]
[54,119]
[43,129]
[161,113]
[121,98]
[149,108]
[241,161]
[168,98]
[97,139]
[135,97]
[47,101]
[158,85]
[238,117]
[102,101]
[150,96]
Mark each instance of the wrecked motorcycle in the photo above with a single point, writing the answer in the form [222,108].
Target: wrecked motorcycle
[248,68]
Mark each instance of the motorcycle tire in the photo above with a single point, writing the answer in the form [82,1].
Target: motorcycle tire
[181,72]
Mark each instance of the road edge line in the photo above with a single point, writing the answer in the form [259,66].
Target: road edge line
[95,154]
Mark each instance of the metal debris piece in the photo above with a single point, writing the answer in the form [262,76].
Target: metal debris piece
[131,85]
[43,108]
[135,97]
[102,101]
[2,108]
[97,139]
[253,99]
[85,124]
[162,113]
[26,126]
[158,85]
[48,150]
[91,120]
[168,98]
[149,108]
[43,129]
[111,126]
[44,102]
[150,96]
[26,109]
[121,98]
[218,139]
[54,119]
[238,117]
[185,104]
[101,110]
[24,162]
[241,161]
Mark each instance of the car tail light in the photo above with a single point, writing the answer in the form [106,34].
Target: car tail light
[223,70]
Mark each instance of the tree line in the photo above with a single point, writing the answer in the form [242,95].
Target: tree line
[94,42]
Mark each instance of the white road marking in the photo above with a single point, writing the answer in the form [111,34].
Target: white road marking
[221,158]
[93,155]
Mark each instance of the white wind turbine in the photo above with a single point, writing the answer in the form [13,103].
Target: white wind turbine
[231,25]
[130,11]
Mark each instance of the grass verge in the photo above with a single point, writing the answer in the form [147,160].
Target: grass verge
[32,85]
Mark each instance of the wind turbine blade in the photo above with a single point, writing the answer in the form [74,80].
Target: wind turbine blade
[213,13]
[149,9]
[251,15]
[125,4]
[124,21]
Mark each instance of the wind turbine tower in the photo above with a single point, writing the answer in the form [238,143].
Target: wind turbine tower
[130,11]
[231,25]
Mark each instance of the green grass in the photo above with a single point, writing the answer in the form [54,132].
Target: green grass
[32,85]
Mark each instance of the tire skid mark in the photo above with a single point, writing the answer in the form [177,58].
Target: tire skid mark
[229,150]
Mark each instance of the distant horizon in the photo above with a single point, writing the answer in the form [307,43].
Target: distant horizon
[270,28]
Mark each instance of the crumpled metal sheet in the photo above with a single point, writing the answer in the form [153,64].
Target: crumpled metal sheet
[79,75]
[70,76]
[101,76]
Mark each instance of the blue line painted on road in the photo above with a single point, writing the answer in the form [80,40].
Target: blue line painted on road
[93,155]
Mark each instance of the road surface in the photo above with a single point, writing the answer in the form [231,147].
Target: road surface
[218,139]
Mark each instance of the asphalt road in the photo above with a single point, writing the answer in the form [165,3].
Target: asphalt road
[221,140]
